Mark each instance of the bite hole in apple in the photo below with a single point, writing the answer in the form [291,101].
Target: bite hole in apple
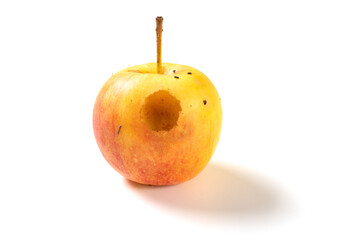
[160,111]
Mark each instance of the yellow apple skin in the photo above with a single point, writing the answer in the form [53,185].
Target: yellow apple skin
[170,123]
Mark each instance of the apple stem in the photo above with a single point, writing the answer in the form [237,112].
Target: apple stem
[159,29]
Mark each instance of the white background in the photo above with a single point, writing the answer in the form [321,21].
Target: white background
[287,164]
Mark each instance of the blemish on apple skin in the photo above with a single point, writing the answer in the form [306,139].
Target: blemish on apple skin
[189,73]
[176,77]
[119,130]
[204,102]
[174,71]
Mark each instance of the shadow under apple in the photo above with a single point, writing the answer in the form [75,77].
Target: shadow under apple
[218,189]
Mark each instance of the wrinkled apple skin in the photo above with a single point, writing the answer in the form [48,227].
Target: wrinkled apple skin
[163,157]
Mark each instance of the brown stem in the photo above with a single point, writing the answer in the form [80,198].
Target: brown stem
[159,29]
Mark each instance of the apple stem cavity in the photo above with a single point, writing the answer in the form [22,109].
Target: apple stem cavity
[159,29]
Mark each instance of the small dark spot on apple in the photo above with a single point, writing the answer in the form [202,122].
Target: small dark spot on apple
[176,77]
[204,102]
[189,73]
[174,71]
[119,130]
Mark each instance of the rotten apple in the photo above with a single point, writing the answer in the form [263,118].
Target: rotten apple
[158,123]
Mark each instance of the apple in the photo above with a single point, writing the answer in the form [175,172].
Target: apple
[158,123]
